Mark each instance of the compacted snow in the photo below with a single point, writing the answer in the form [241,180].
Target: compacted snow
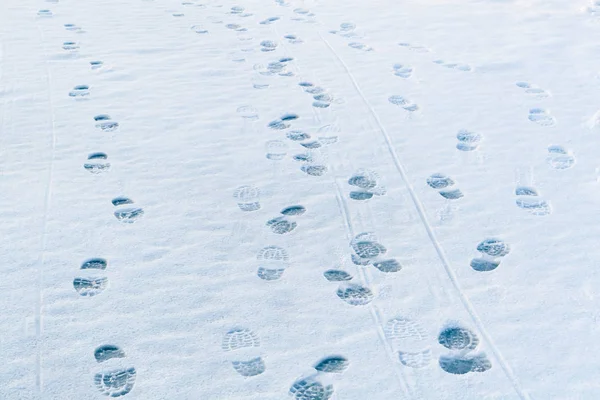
[299,199]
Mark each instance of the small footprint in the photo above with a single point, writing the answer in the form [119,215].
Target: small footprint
[528,199]
[347,30]
[97,163]
[286,223]
[44,13]
[409,341]
[80,91]
[199,29]
[72,27]
[402,70]
[273,262]
[242,341]
[70,46]
[533,90]
[467,140]
[92,284]
[369,184]
[115,381]
[96,65]
[445,186]
[559,157]
[293,39]
[127,214]
[360,46]
[105,123]
[491,250]
[541,117]
[460,67]
[269,20]
[247,197]
[463,343]
[415,48]
[403,102]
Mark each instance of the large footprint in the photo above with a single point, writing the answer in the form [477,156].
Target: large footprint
[116,380]
[243,341]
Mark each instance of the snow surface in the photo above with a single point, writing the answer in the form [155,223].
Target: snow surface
[439,131]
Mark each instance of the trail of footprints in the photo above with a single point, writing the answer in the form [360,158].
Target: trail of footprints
[117,377]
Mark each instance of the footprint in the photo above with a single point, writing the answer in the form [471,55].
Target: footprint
[242,341]
[269,21]
[455,337]
[316,386]
[368,183]
[71,27]
[311,389]
[333,365]
[199,29]
[80,91]
[594,8]
[95,65]
[293,39]
[360,46]
[297,136]
[467,140]
[445,186]
[273,262]
[460,67]
[533,90]
[367,250]
[337,275]
[236,27]
[70,46]
[460,365]
[248,112]
[92,284]
[403,102]
[114,381]
[126,214]
[528,199]
[105,123]
[286,223]
[491,250]
[44,13]
[276,150]
[541,117]
[247,197]
[559,157]
[354,294]
[409,341]
[416,49]
[463,359]
[268,45]
[97,163]
[403,71]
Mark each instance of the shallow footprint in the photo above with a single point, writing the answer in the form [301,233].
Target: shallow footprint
[559,157]
[337,275]
[528,199]
[541,117]
[238,339]
[409,340]
[273,262]
[115,383]
[247,197]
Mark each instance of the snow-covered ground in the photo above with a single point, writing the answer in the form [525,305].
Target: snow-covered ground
[299,199]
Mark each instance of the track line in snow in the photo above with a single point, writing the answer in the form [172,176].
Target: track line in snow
[437,245]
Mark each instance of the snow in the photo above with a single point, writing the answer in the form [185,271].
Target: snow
[217,160]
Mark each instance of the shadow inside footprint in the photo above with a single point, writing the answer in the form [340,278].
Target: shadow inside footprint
[333,364]
[311,389]
[460,365]
[337,275]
